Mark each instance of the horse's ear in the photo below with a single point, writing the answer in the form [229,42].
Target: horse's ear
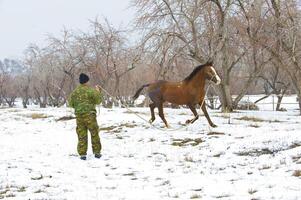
[209,62]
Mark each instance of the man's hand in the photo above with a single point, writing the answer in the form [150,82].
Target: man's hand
[98,88]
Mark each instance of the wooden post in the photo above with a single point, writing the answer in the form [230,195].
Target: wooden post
[273,101]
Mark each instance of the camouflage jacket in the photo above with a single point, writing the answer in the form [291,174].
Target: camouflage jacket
[84,99]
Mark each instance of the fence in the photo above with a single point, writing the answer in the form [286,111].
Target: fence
[289,102]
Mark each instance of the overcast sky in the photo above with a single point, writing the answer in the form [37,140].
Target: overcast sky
[29,21]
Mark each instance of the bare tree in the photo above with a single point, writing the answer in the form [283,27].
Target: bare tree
[287,48]
[40,74]
[107,57]
[209,29]
[65,58]
[276,82]
[8,93]
[251,42]
[23,88]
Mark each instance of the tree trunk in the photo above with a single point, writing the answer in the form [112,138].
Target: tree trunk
[211,101]
[42,104]
[279,99]
[226,99]
[24,103]
[262,98]
[243,92]
[10,101]
[297,87]
[299,99]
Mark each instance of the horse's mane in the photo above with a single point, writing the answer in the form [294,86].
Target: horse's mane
[196,70]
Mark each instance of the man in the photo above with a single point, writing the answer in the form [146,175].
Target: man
[84,99]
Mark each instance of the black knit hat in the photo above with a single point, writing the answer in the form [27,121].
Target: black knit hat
[83,78]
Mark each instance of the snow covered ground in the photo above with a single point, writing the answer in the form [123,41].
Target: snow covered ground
[251,155]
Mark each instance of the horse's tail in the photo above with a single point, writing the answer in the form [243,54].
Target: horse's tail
[139,91]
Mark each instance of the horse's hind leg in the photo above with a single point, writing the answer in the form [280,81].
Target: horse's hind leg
[161,114]
[153,95]
[152,107]
[196,116]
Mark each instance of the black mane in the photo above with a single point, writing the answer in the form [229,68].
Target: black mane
[196,70]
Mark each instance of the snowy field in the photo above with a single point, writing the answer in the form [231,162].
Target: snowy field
[250,155]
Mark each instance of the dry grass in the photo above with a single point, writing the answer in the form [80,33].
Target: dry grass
[38,116]
[37,178]
[128,125]
[39,191]
[117,128]
[66,118]
[217,155]
[10,195]
[14,110]
[21,189]
[222,196]
[296,158]
[297,173]
[7,191]
[263,151]
[253,119]
[195,196]
[265,167]
[119,137]
[295,145]
[186,141]
[256,119]
[129,174]
[254,125]
[215,133]
[136,112]
[255,152]
[188,159]
[2,192]
[108,128]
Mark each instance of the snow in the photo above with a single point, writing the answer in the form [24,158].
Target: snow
[243,158]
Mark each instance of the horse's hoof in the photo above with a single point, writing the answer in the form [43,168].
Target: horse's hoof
[188,122]
[213,125]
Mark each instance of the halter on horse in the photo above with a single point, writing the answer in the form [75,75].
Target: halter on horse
[190,92]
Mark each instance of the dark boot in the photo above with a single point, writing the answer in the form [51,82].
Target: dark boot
[83,157]
[98,155]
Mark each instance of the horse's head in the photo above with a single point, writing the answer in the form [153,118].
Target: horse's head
[211,74]
[205,71]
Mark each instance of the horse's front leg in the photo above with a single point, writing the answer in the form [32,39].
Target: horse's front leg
[196,116]
[203,107]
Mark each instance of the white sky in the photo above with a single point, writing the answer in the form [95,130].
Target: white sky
[29,21]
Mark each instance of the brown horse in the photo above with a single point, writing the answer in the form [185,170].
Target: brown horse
[190,92]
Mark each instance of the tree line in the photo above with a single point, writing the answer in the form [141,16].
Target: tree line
[255,46]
